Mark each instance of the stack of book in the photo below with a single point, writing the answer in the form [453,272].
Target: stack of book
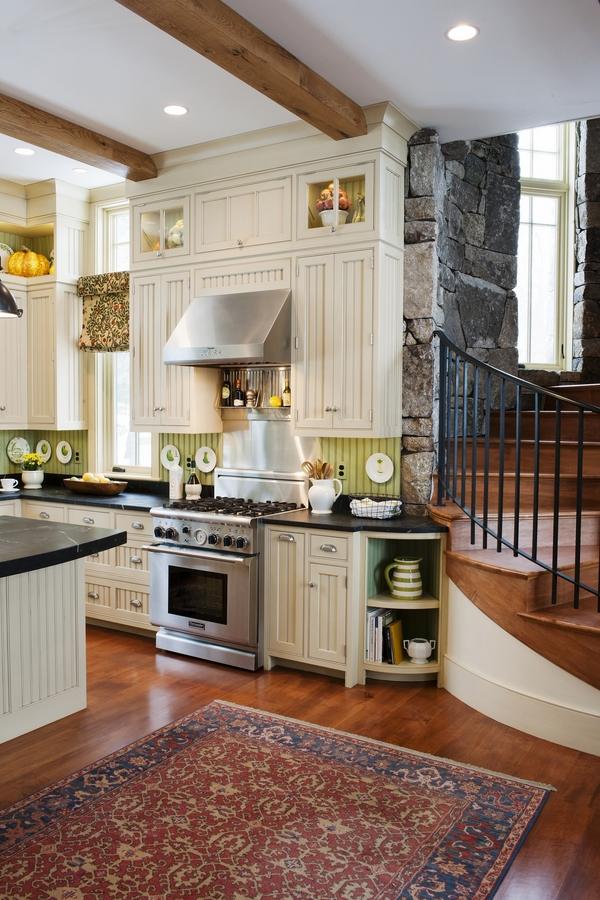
[383,636]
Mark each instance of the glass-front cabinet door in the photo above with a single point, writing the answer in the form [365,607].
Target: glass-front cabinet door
[335,201]
[161,229]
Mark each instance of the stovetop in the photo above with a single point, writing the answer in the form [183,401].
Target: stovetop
[230,506]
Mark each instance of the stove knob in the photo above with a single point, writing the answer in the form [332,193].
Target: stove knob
[171,534]
[227,540]
[200,536]
[213,539]
[241,542]
[185,529]
[159,531]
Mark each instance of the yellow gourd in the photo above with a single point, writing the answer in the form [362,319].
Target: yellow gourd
[27,263]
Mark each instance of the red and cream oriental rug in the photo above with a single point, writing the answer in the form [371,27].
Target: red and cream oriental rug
[231,802]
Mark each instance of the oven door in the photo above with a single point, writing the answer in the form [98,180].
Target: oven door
[208,594]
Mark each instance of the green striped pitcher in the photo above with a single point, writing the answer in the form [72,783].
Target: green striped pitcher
[404,578]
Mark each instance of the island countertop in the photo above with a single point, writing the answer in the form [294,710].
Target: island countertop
[26,544]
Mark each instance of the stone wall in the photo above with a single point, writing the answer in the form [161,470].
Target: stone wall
[586,314]
[461,233]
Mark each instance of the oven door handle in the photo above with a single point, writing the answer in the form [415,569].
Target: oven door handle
[198,554]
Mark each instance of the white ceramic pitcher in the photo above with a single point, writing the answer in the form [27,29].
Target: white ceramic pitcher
[322,495]
[404,581]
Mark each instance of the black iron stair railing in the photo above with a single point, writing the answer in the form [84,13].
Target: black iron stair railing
[476,399]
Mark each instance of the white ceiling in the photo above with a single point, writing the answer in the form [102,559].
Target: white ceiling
[92,61]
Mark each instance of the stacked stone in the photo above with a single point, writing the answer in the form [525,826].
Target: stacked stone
[586,315]
[460,269]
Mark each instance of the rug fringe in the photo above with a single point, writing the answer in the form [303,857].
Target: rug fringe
[375,742]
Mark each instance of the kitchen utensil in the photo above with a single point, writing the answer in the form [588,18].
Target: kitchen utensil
[9,484]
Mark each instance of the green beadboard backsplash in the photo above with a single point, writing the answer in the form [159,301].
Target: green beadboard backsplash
[43,243]
[77,439]
[353,452]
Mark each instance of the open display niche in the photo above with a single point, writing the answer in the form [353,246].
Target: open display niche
[349,193]
[422,618]
[266,382]
[39,238]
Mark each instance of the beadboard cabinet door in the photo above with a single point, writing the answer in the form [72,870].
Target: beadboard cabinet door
[41,336]
[315,343]
[243,216]
[13,366]
[326,620]
[147,333]
[284,593]
[174,380]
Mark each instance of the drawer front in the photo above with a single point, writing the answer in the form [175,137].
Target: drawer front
[135,524]
[132,601]
[52,512]
[99,595]
[328,547]
[104,558]
[90,515]
[132,556]
[10,508]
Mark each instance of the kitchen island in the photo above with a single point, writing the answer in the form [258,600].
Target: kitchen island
[42,620]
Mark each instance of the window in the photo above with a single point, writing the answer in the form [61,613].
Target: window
[545,242]
[116,445]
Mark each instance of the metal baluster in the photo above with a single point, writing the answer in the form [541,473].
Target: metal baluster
[555,520]
[502,420]
[442,426]
[578,507]
[536,475]
[486,455]
[448,421]
[517,470]
[455,428]
[475,425]
[463,460]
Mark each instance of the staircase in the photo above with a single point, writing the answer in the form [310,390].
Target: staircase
[519,490]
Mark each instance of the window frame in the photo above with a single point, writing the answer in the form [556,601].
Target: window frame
[562,189]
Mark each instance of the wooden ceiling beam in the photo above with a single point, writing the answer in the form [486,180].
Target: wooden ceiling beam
[42,128]
[217,32]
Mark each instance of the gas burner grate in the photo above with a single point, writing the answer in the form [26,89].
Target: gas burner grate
[233,506]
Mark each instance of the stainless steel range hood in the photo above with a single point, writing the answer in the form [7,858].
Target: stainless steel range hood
[233,329]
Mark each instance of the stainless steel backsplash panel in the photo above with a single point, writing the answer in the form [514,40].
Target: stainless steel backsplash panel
[266,445]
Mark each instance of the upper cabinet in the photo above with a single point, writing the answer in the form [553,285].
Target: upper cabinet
[161,229]
[243,216]
[336,201]
[13,366]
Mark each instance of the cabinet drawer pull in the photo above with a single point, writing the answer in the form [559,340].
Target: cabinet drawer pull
[139,526]
[94,556]
[328,548]
[156,409]
[93,595]
[44,515]
[135,560]
[240,242]
[88,520]
[136,603]
[287,537]
[2,409]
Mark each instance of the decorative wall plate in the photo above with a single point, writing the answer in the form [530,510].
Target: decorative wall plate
[170,456]
[63,452]
[44,448]
[5,253]
[206,459]
[16,448]
[379,467]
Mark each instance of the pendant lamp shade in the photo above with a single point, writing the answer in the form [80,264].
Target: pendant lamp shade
[8,305]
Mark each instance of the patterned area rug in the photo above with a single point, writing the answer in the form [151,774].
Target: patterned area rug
[235,803]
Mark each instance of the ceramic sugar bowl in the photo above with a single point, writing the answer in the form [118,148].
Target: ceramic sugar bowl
[419,650]
[403,578]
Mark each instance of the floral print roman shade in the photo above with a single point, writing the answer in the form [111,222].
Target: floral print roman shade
[105,312]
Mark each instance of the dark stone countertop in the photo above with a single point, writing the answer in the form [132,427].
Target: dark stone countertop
[26,544]
[54,494]
[344,521]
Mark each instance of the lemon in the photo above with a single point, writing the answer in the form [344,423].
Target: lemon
[275,400]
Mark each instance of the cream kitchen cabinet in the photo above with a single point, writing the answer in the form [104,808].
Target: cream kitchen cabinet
[243,216]
[307,614]
[163,398]
[10,508]
[351,184]
[348,312]
[56,366]
[13,366]
[161,229]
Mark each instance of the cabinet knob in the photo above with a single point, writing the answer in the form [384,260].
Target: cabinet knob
[159,252]
[88,520]
[328,548]
[136,603]
[93,595]
[139,526]
[312,584]
[44,515]
[135,560]
[156,409]
[2,408]
[240,242]
[287,537]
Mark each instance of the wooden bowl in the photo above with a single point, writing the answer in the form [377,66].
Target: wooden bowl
[100,490]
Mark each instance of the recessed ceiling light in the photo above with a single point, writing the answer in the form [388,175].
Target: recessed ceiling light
[80,171]
[462,32]
[175,110]
[24,151]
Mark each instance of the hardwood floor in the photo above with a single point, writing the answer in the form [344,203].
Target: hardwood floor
[133,690]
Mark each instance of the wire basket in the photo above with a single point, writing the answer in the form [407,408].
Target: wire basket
[375,507]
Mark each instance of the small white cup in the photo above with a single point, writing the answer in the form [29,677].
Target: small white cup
[9,484]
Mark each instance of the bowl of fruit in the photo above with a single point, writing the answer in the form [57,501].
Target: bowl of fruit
[99,485]
[326,204]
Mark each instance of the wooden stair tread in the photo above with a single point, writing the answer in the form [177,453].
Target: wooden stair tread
[565,616]
[505,561]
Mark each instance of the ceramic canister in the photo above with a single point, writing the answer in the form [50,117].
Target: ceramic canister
[404,578]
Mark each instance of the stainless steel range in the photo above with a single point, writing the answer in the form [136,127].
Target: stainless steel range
[204,570]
